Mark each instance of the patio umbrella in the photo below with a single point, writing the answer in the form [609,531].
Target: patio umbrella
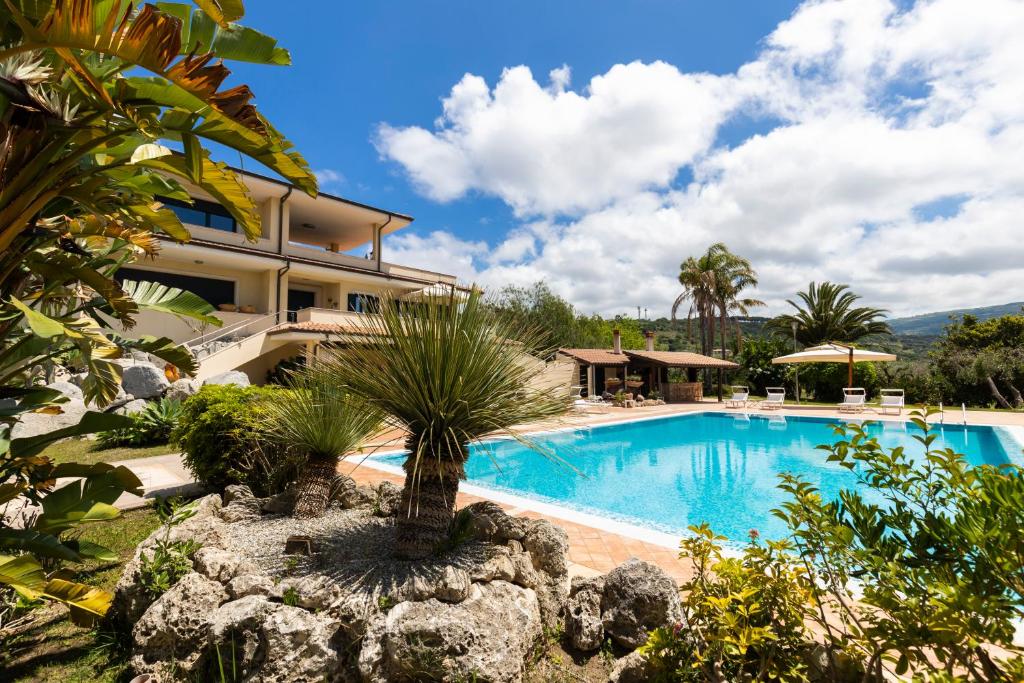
[835,353]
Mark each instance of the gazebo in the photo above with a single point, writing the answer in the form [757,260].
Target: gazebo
[653,366]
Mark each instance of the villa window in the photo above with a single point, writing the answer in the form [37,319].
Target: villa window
[202,213]
[363,303]
[211,290]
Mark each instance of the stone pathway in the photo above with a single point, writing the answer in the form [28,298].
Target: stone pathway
[161,476]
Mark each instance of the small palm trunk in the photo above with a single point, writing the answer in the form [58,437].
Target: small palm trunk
[427,510]
[314,487]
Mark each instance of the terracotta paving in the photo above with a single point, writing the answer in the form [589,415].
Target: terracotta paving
[593,550]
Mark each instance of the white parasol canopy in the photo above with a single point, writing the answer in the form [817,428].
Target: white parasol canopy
[835,353]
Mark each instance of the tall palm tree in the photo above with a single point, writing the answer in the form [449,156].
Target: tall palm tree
[447,372]
[714,283]
[324,421]
[828,314]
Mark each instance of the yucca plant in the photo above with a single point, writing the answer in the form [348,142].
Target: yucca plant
[322,419]
[448,372]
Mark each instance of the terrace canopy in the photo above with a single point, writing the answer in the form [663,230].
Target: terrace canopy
[657,362]
[835,353]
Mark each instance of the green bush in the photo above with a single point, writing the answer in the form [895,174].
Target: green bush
[152,425]
[826,380]
[222,440]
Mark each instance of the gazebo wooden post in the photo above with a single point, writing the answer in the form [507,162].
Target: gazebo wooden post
[719,385]
[849,384]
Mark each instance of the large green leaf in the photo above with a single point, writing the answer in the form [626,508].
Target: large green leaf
[41,325]
[227,41]
[91,422]
[87,603]
[24,574]
[36,542]
[92,551]
[221,183]
[153,296]
[164,348]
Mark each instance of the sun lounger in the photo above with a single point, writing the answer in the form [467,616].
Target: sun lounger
[891,399]
[740,396]
[854,400]
[776,398]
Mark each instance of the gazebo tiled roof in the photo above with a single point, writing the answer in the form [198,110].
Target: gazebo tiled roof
[321,328]
[680,359]
[596,356]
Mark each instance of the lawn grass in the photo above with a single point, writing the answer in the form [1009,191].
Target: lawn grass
[86,451]
[51,648]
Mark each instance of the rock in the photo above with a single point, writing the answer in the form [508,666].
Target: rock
[280,503]
[638,597]
[497,567]
[583,614]
[221,565]
[453,585]
[235,492]
[144,381]
[274,642]
[389,499]
[67,388]
[132,407]
[490,523]
[242,509]
[633,668]
[300,646]
[312,592]
[253,584]
[35,424]
[174,629]
[230,377]
[181,389]
[549,547]
[349,495]
[488,637]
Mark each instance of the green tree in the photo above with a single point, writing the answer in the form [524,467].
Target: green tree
[828,314]
[448,374]
[321,420]
[977,361]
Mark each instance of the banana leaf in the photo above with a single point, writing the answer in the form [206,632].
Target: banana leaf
[201,34]
[24,574]
[153,296]
[87,603]
[91,422]
[38,543]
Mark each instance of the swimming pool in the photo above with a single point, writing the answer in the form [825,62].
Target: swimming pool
[666,473]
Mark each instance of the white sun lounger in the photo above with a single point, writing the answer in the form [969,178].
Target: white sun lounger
[740,396]
[854,400]
[776,398]
[891,399]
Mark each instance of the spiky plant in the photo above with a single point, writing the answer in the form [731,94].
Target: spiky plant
[448,372]
[320,418]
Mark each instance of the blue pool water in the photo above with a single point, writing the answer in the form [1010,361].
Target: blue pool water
[668,473]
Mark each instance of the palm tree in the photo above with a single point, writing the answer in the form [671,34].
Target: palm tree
[713,283]
[447,372]
[828,314]
[322,420]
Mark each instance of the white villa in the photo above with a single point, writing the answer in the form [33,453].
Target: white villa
[315,271]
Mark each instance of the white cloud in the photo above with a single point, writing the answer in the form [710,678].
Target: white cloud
[329,179]
[876,110]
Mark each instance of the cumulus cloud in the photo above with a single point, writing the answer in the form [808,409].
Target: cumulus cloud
[872,110]
[329,179]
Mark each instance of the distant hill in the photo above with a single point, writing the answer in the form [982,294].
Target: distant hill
[931,324]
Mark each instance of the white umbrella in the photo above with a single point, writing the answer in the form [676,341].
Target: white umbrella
[835,353]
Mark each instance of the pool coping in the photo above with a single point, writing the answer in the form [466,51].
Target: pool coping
[617,526]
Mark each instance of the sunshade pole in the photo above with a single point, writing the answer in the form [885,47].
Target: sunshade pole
[849,384]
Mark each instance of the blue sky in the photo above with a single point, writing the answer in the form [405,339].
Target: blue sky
[355,65]
[595,145]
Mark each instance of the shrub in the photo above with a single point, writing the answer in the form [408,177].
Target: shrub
[826,380]
[153,425]
[746,615]
[222,441]
[169,560]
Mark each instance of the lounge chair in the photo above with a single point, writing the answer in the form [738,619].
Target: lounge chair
[776,398]
[740,397]
[854,400]
[891,399]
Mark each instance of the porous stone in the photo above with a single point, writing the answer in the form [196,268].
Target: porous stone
[389,499]
[221,565]
[583,622]
[253,584]
[633,668]
[175,628]
[236,377]
[638,597]
[181,389]
[67,388]
[242,509]
[312,592]
[549,547]
[132,407]
[490,523]
[36,424]
[236,492]
[280,503]
[144,380]
[487,637]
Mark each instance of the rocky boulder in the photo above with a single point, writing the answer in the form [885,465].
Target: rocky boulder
[487,637]
[389,499]
[633,668]
[240,504]
[583,623]
[174,630]
[35,424]
[70,390]
[144,380]
[638,597]
[181,389]
[230,377]
[132,407]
